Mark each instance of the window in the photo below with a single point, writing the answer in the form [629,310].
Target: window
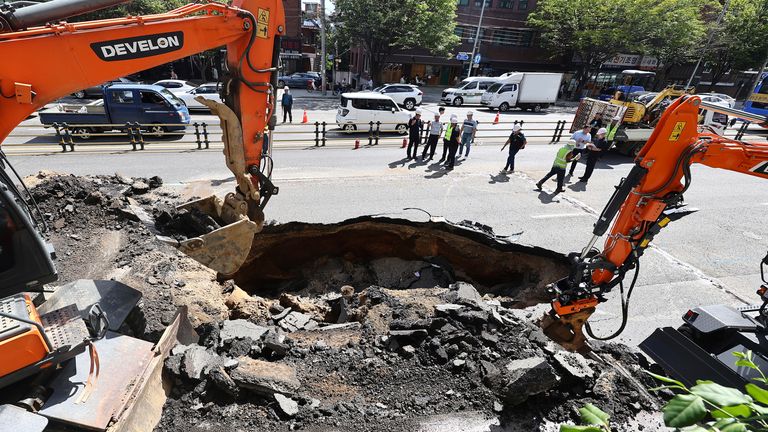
[122,96]
[522,5]
[508,88]
[495,87]
[206,90]
[506,4]
[485,84]
[151,98]
[385,105]
[459,31]
[363,104]
[512,37]
[763,90]
[462,2]
[470,86]
[479,3]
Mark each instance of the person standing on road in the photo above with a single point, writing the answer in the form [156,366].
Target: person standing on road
[564,154]
[415,126]
[441,110]
[435,130]
[287,103]
[516,142]
[452,134]
[468,131]
[594,151]
[595,125]
[581,138]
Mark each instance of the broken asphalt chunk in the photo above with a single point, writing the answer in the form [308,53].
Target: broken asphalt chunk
[265,378]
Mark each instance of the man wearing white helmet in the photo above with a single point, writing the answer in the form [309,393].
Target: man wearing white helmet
[415,125]
[452,134]
[516,142]
[468,131]
[435,130]
[595,150]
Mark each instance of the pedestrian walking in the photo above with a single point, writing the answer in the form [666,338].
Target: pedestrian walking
[468,131]
[564,154]
[516,142]
[594,151]
[415,126]
[595,125]
[435,130]
[581,138]
[287,103]
[452,134]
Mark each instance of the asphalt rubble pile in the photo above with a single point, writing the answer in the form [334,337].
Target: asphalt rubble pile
[350,359]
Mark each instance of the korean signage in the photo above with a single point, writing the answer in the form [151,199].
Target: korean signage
[633,61]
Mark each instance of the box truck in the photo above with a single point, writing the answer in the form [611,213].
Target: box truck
[533,91]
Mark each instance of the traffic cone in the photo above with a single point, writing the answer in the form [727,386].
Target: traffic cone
[496,120]
[405,143]
[305,120]
[357,144]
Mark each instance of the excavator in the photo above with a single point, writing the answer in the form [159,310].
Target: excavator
[46,58]
[643,204]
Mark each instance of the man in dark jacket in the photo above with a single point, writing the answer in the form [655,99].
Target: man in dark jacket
[415,126]
[594,151]
[516,142]
[287,104]
[452,134]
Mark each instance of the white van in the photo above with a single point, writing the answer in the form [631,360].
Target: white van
[533,91]
[358,110]
[468,92]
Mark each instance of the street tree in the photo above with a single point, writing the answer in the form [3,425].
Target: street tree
[135,7]
[383,26]
[593,30]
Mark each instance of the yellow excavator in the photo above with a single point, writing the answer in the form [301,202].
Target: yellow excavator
[44,342]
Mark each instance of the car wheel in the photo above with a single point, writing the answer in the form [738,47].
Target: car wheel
[458,101]
[401,129]
[350,128]
[280,84]
[537,108]
[504,107]
[409,104]
[83,133]
[156,131]
[79,94]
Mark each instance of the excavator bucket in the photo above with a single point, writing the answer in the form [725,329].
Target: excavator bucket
[567,330]
[224,249]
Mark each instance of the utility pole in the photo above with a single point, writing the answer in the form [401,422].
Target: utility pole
[709,42]
[322,43]
[477,39]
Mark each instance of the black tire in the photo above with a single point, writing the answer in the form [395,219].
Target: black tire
[537,108]
[349,128]
[401,129]
[409,104]
[82,133]
[79,94]
[504,107]
[280,84]
[458,101]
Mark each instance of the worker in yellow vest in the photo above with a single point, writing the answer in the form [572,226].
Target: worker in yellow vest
[564,155]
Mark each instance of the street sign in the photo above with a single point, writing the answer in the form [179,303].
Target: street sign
[477,59]
[462,56]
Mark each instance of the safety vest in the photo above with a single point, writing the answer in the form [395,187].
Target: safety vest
[612,132]
[560,159]
[448,131]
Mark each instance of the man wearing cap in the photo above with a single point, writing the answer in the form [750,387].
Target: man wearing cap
[435,130]
[287,103]
[581,138]
[516,141]
[468,131]
[452,134]
[564,155]
[415,126]
[594,151]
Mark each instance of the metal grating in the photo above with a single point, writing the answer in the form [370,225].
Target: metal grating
[64,327]
[16,306]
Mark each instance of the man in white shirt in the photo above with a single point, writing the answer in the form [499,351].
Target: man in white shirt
[582,138]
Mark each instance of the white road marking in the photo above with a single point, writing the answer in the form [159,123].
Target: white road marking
[559,215]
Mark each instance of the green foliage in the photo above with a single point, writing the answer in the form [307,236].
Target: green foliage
[383,26]
[593,418]
[135,7]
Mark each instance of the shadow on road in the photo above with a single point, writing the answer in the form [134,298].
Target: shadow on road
[578,186]
[546,198]
[501,177]
[400,163]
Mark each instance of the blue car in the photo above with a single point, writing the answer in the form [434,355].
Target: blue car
[299,80]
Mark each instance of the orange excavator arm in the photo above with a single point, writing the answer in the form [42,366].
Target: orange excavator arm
[44,63]
[643,204]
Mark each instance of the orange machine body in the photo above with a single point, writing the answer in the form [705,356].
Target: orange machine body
[23,349]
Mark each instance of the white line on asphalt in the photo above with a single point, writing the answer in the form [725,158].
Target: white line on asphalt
[559,215]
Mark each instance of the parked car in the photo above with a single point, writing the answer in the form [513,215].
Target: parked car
[407,96]
[299,80]
[176,86]
[208,91]
[469,91]
[98,90]
[357,111]
[153,107]
[718,98]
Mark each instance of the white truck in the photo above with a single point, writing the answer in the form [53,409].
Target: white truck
[533,91]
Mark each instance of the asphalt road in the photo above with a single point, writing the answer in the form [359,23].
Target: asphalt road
[708,257]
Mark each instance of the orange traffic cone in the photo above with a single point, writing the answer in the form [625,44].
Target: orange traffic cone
[405,143]
[357,144]
[305,120]
[496,120]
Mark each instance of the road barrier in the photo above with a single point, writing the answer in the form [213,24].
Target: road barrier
[205,136]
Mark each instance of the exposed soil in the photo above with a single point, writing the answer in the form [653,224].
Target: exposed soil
[426,326]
